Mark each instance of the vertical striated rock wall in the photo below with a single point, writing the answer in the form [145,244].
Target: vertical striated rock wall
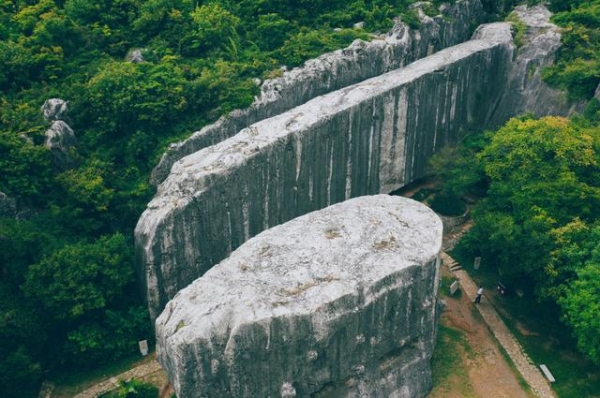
[337,303]
[372,137]
[526,91]
[332,71]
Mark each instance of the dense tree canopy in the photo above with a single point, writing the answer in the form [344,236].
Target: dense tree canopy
[66,258]
[578,65]
[538,221]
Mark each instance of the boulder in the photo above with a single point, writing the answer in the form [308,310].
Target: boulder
[54,109]
[136,55]
[8,206]
[60,139]
[337,303]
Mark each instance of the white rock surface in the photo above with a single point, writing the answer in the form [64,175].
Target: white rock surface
[332,71]
[526,92]
[337,303]
[368,138]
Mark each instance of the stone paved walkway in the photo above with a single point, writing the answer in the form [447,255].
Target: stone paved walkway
[531,373]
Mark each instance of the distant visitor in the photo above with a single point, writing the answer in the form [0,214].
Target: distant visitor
[479,294]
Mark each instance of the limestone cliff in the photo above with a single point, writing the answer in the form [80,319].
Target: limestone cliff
[372,137]
[337,303]
[526,91]
[332,71]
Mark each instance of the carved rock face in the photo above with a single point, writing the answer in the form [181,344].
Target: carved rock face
[332,71]
[60,136]
[337,303]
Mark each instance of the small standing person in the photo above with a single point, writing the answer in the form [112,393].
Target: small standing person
[479,293]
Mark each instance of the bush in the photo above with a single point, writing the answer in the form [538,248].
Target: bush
[447,203]
[132,388]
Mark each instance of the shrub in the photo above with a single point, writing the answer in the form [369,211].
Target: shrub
[132,388]
[447,203]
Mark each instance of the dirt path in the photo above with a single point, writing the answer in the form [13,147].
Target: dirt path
[489,373]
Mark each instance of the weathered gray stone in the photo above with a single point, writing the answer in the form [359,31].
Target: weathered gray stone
[332,71]
[8,206]
[55,109]
[527,92]
[336,303]
[372,137]
[135,56]
[60,138]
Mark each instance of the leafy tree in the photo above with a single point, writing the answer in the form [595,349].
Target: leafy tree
[125,97]
[577,68]
[271,32]
[87,187]
[20,376]
[214,27]
[166,24]
[80,277]
[541,177]
[110,335]
[538,223]
[107,23]
[581,306]
[85,291]
[26,168]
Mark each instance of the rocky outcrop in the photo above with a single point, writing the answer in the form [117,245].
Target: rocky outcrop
[55,109]
[526,91]
[60,139]
[8,206]
[333,71]
[135,55]
[372,137]
[336,303]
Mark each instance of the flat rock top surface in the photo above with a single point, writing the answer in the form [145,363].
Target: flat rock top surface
[299,266]
[188,175]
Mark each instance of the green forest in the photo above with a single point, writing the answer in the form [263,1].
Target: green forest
[68,293]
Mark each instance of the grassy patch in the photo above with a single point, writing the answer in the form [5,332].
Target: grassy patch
[518,29]
[548,342]
[448,369]
[447,281]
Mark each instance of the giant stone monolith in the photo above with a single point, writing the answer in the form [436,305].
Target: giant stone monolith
[339,302]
